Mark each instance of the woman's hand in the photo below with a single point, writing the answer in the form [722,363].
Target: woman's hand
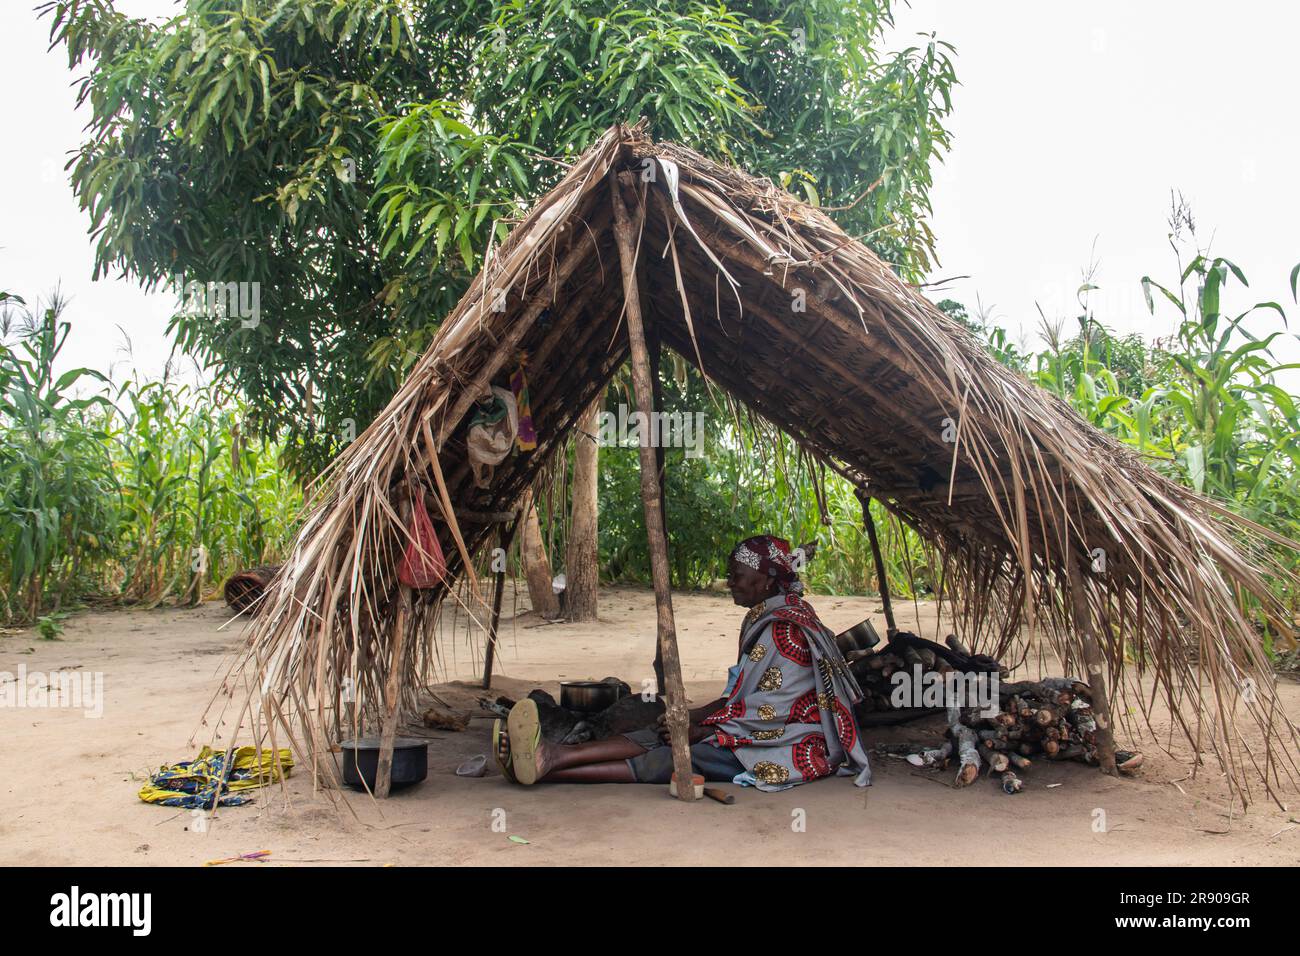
[695,731]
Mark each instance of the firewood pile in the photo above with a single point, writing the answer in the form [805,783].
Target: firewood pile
[917,658]
[1045,720]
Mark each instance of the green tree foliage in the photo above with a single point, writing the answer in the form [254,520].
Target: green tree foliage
[356,158]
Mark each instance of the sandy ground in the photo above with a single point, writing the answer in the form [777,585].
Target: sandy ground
[68,783]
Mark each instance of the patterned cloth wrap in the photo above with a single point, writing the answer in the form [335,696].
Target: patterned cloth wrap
[789,715]
[193,784]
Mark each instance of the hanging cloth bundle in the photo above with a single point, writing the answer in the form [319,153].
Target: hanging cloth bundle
[423,564]
[492,431]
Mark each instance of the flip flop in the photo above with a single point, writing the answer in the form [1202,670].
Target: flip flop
[525,729]
[501,750]
[1127,762]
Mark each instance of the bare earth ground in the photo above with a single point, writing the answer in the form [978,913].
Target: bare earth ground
[68,783]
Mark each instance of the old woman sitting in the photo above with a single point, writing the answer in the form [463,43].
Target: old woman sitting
[785,717]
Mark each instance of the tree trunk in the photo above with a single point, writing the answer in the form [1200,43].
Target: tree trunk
[582,559]
[537,569]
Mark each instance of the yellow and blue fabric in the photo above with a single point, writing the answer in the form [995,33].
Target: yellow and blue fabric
[216,778]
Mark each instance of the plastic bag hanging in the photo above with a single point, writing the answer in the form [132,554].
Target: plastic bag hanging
[423,564]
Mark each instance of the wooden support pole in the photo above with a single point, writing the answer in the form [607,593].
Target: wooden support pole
[1095,663]
[655,348]
[505,535]
[393,685]
[881,581]
[674,693]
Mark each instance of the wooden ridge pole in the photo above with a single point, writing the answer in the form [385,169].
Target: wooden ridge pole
[505,535]
[881,581]
[674,693]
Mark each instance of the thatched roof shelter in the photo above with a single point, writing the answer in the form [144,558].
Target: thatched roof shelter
[1045,525]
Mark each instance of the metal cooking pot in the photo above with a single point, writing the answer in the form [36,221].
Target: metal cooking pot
[860,637]
[588,696]
[361,762]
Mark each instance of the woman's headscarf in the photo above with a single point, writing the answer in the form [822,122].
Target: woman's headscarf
[770,555]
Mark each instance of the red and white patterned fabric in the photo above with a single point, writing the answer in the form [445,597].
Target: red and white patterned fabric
[789,716]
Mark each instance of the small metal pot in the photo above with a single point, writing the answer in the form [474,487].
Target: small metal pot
[361,762]
[587,696]
[860,637]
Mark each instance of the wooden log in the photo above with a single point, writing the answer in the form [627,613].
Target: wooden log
[928,758]
[677,718]
[1056,690]
[965,741]
[1093,660]
[1020,761]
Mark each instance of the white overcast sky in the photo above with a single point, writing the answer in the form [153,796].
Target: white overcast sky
[1072,124]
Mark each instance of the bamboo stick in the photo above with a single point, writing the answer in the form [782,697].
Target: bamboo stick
[504,536]
[675,694]
[883,582]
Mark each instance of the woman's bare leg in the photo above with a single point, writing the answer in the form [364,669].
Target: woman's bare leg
[609,771]
[598,761]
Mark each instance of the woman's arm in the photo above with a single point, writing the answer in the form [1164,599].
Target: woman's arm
[697,732]
[699,713]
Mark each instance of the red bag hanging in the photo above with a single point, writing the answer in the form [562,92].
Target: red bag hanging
[423,565]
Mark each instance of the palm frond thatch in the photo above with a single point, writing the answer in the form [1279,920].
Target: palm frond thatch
[811,331]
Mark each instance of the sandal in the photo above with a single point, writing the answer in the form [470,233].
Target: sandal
[501,749]
[525,730]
